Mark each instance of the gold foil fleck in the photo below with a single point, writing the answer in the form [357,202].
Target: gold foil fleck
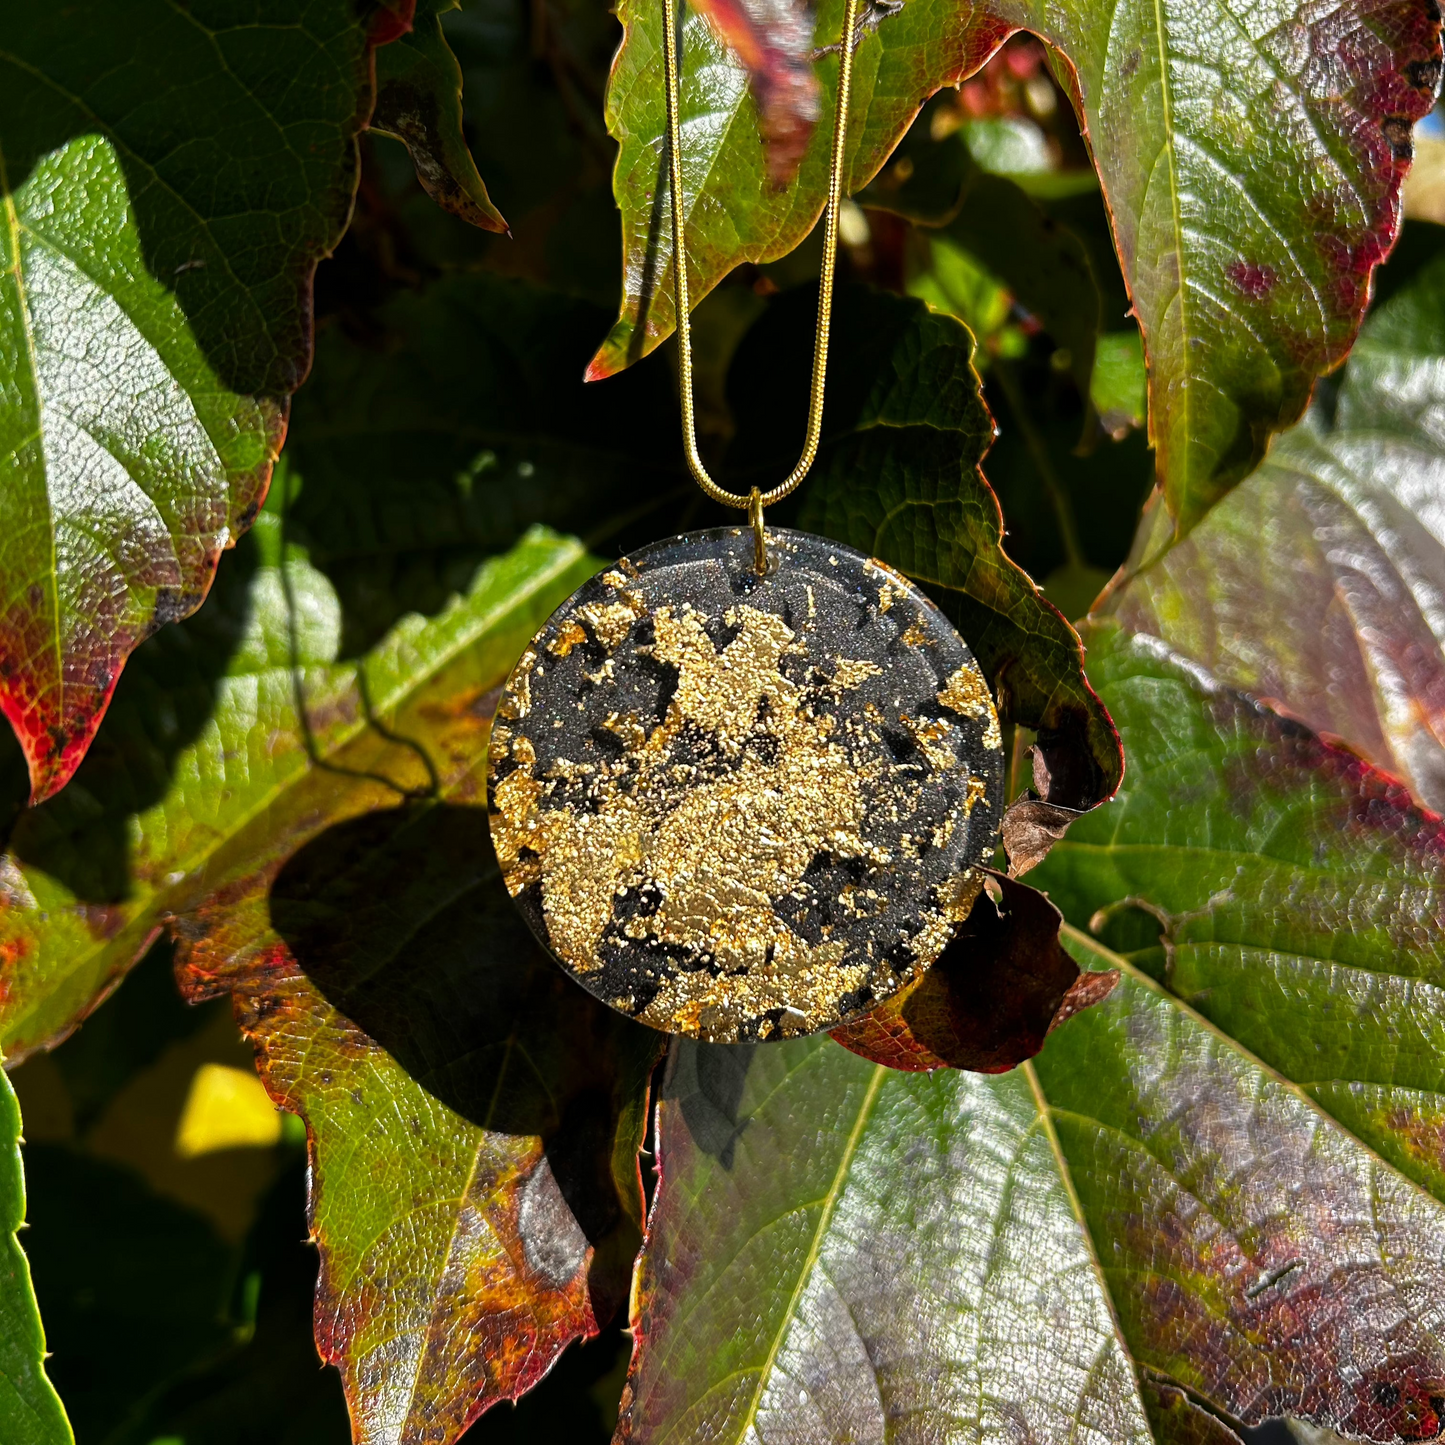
[516,702]
[932,734]
[566,639]
[851,672]
[958,895]
[967,694]
[499,744]
[610,621]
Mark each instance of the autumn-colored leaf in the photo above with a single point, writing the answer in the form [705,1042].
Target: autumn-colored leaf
[266,793]
[1201,123]
[1239,1229]
[474,1117]
[774,41]
[1290,894]
[999,988]
[1315,587]
[419,101]
[171,177]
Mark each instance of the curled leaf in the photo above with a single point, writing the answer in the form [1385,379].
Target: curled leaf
[1002,985]
[419,101]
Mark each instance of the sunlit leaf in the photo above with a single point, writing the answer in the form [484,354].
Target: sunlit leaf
[204,729]
[1252,164]
[170,177]
[474,1116]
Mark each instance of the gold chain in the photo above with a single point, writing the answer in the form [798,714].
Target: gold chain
[756,500]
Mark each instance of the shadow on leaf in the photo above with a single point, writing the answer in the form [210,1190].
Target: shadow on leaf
[400,918]
[163,701]
[998,990]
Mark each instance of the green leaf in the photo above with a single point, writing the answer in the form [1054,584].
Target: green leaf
[170,177]
[465,424]
[476,1200]
[419,101]
[30,1410]
[1237,1154]
[474,1116]
[1317,585]
[898,478]
[836,1247]
[1247,283]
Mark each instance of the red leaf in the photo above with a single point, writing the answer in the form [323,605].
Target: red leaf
[774,40]
[998,989]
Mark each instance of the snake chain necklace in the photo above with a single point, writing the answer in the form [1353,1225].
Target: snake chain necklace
[741,780]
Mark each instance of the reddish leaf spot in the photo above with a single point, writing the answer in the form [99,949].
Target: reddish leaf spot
[1256,282]
[392,20]
[775,44]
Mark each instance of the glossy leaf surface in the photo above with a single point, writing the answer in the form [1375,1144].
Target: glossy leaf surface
[30,1410]
[1291,894]
[823,1226]
[774,40]
[171,177]
[1317,586]
[1246,1231]
[1247,283]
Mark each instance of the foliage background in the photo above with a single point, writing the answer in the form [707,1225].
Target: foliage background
[444,416]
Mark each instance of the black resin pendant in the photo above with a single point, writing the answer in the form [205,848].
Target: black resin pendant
[741,807]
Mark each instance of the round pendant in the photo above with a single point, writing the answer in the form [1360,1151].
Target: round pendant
[740,807]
